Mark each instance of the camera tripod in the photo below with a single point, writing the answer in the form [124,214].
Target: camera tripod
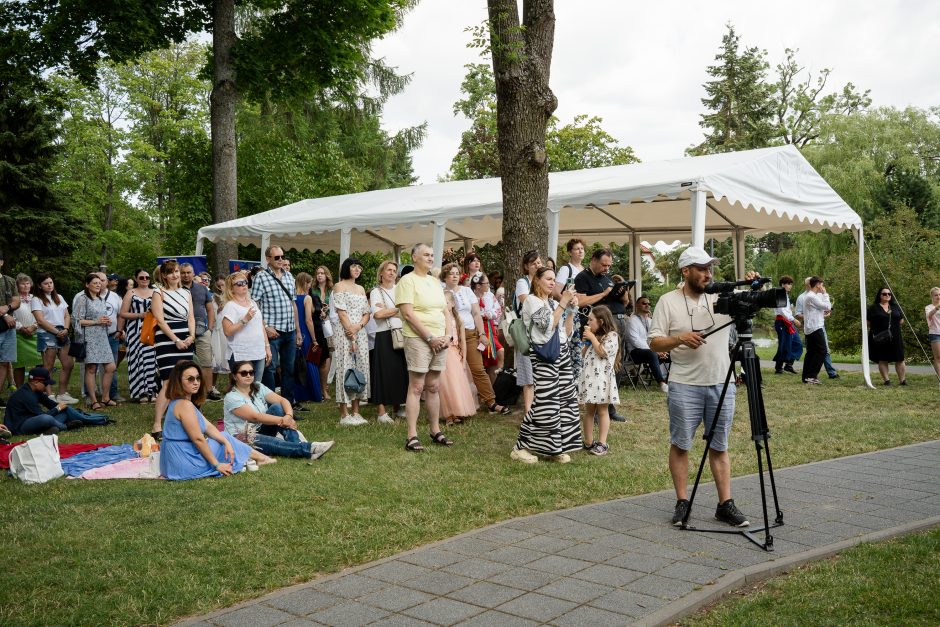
[745,353]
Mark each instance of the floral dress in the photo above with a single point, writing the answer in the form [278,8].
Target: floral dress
[355,305]
[597,384]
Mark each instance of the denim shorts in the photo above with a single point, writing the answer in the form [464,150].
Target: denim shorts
[933,337]
[8,346]
[691,405]
[45,340]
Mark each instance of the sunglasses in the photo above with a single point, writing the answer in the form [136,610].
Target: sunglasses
[246,373]
[143,277]
[192,378]
[279,257]
[886,293]
[240,283]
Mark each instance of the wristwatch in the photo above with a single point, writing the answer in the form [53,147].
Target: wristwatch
[429,338]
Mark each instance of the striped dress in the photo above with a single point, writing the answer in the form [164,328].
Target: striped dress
[552,425]
[141,359]
[176,316]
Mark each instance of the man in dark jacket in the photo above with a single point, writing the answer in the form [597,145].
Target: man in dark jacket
[29,410]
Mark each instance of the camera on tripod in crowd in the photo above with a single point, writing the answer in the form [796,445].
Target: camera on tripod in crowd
[745,304]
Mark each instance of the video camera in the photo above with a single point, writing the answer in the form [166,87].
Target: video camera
[745,304]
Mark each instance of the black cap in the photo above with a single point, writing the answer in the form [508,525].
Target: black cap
[114,276]
[41,374]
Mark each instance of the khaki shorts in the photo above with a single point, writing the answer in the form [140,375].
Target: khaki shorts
[420,357]
[203,349]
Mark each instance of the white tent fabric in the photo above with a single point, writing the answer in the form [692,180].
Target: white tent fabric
[733,194]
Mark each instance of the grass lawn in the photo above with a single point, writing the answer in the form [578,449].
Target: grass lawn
[889,583]
[149,552]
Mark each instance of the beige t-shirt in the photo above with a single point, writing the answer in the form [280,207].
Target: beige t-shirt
[426,295]
[706,365]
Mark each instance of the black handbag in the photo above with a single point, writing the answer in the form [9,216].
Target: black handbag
[550,351]
[882,336]
[77,350]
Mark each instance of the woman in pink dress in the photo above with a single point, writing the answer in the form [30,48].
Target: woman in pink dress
[458,400]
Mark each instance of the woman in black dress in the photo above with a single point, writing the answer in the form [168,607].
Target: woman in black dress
[884,335]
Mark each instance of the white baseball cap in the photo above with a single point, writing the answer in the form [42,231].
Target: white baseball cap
[695,256]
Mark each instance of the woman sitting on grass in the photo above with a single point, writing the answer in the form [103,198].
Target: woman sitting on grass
[192,447]
[256,415]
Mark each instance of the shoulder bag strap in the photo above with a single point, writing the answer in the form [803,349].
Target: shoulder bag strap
[281,285]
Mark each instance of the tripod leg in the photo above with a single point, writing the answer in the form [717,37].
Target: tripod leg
[773,485]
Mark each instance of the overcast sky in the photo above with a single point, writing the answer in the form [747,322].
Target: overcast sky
[641,66]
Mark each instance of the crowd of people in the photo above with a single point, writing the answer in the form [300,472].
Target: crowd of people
[421,336]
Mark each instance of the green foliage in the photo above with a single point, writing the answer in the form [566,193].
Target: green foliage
[581,144]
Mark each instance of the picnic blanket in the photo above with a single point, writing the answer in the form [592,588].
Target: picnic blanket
[65,451]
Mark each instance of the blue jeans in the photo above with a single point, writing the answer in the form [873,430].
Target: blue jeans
[283,352]
[827,362]
[57,418]
[268,443]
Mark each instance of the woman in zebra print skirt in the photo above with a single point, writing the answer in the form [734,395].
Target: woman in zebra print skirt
[141,359]
[172,308]
[551,427]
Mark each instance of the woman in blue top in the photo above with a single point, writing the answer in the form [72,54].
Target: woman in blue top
[192,447]
[306,376]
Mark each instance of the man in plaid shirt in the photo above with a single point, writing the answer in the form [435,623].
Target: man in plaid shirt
[273,290]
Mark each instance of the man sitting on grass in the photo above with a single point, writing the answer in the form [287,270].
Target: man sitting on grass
[30,411]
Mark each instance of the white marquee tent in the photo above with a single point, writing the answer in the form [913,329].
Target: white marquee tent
[716,196]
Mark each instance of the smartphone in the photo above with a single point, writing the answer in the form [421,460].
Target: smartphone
[569,284]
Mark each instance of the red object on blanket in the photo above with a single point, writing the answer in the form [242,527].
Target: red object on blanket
[65,450]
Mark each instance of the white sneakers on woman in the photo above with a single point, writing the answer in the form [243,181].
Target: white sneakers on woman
[353,420]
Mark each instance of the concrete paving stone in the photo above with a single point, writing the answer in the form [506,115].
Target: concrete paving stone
[624,542]
[620,523]
[439,582]
[524,578]
[696,573]
[575,590]
[897,514]
[349,614]
[200,623]
[512,555]
[709,560]
[493,618]
[504,534]
[868,521]
[844,529]
[305,601]
[661,587]
[587,616]
[395,571]
[608,575]
[485,594]
[351,586]
[395,599]
[537,606]
[639,562]
[661,550]
[300,622]
[927,508]
[545,522]
[808,537]
[444,611]
[591,552]
[253,616]
[432,558]
[585,514]
[628,602]
[559,564]
[400,620]
[747,554]
[889,500]
[546,544]
[469,545]
[476,568]
[579,532]
[861,506]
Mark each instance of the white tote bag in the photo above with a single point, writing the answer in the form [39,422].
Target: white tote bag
[37,460]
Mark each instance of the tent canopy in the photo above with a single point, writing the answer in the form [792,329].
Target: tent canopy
[750,192]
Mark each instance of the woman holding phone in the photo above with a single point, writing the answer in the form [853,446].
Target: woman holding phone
[242,324]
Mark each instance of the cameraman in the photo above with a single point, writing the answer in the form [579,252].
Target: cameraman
[594,287]
[699,368]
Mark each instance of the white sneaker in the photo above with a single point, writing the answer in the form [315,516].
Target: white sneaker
[664,388]
[564,458]
[360,420]
[401,413]
[317,449]
[66,398]
[251,465]
[524,456]
[385,419]
[117,398]
[349,420]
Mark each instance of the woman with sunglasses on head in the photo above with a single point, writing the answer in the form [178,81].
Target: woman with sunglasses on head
[256,416]
[141,359]
[192,447]
[242,325]
[885,343]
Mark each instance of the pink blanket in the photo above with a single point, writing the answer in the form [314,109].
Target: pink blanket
[138,468]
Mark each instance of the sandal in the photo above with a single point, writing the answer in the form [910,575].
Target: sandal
[440,438]
[904,382]
[96,406]
[413,444]
[109,403]
[499,409]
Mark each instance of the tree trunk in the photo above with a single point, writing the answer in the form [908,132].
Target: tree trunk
[522,57]
[223,99]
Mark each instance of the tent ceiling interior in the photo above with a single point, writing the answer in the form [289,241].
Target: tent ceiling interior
[751,192]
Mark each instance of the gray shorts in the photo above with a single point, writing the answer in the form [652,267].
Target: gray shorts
[420,358]
[691,405]
[202,349]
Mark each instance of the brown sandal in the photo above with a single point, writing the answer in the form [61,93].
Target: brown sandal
[440,438]
[413,444]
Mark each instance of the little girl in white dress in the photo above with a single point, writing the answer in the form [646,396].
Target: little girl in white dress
[597,384]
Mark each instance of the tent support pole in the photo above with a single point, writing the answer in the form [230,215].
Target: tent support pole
[265,242]
[636,263]
[698,217]
[739,256]
[438,244]
[467,246]
[553,218]
[396,253]
[199,245]
[345,240]
[862,300]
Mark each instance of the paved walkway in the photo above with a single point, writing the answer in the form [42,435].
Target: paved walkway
[619,562]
